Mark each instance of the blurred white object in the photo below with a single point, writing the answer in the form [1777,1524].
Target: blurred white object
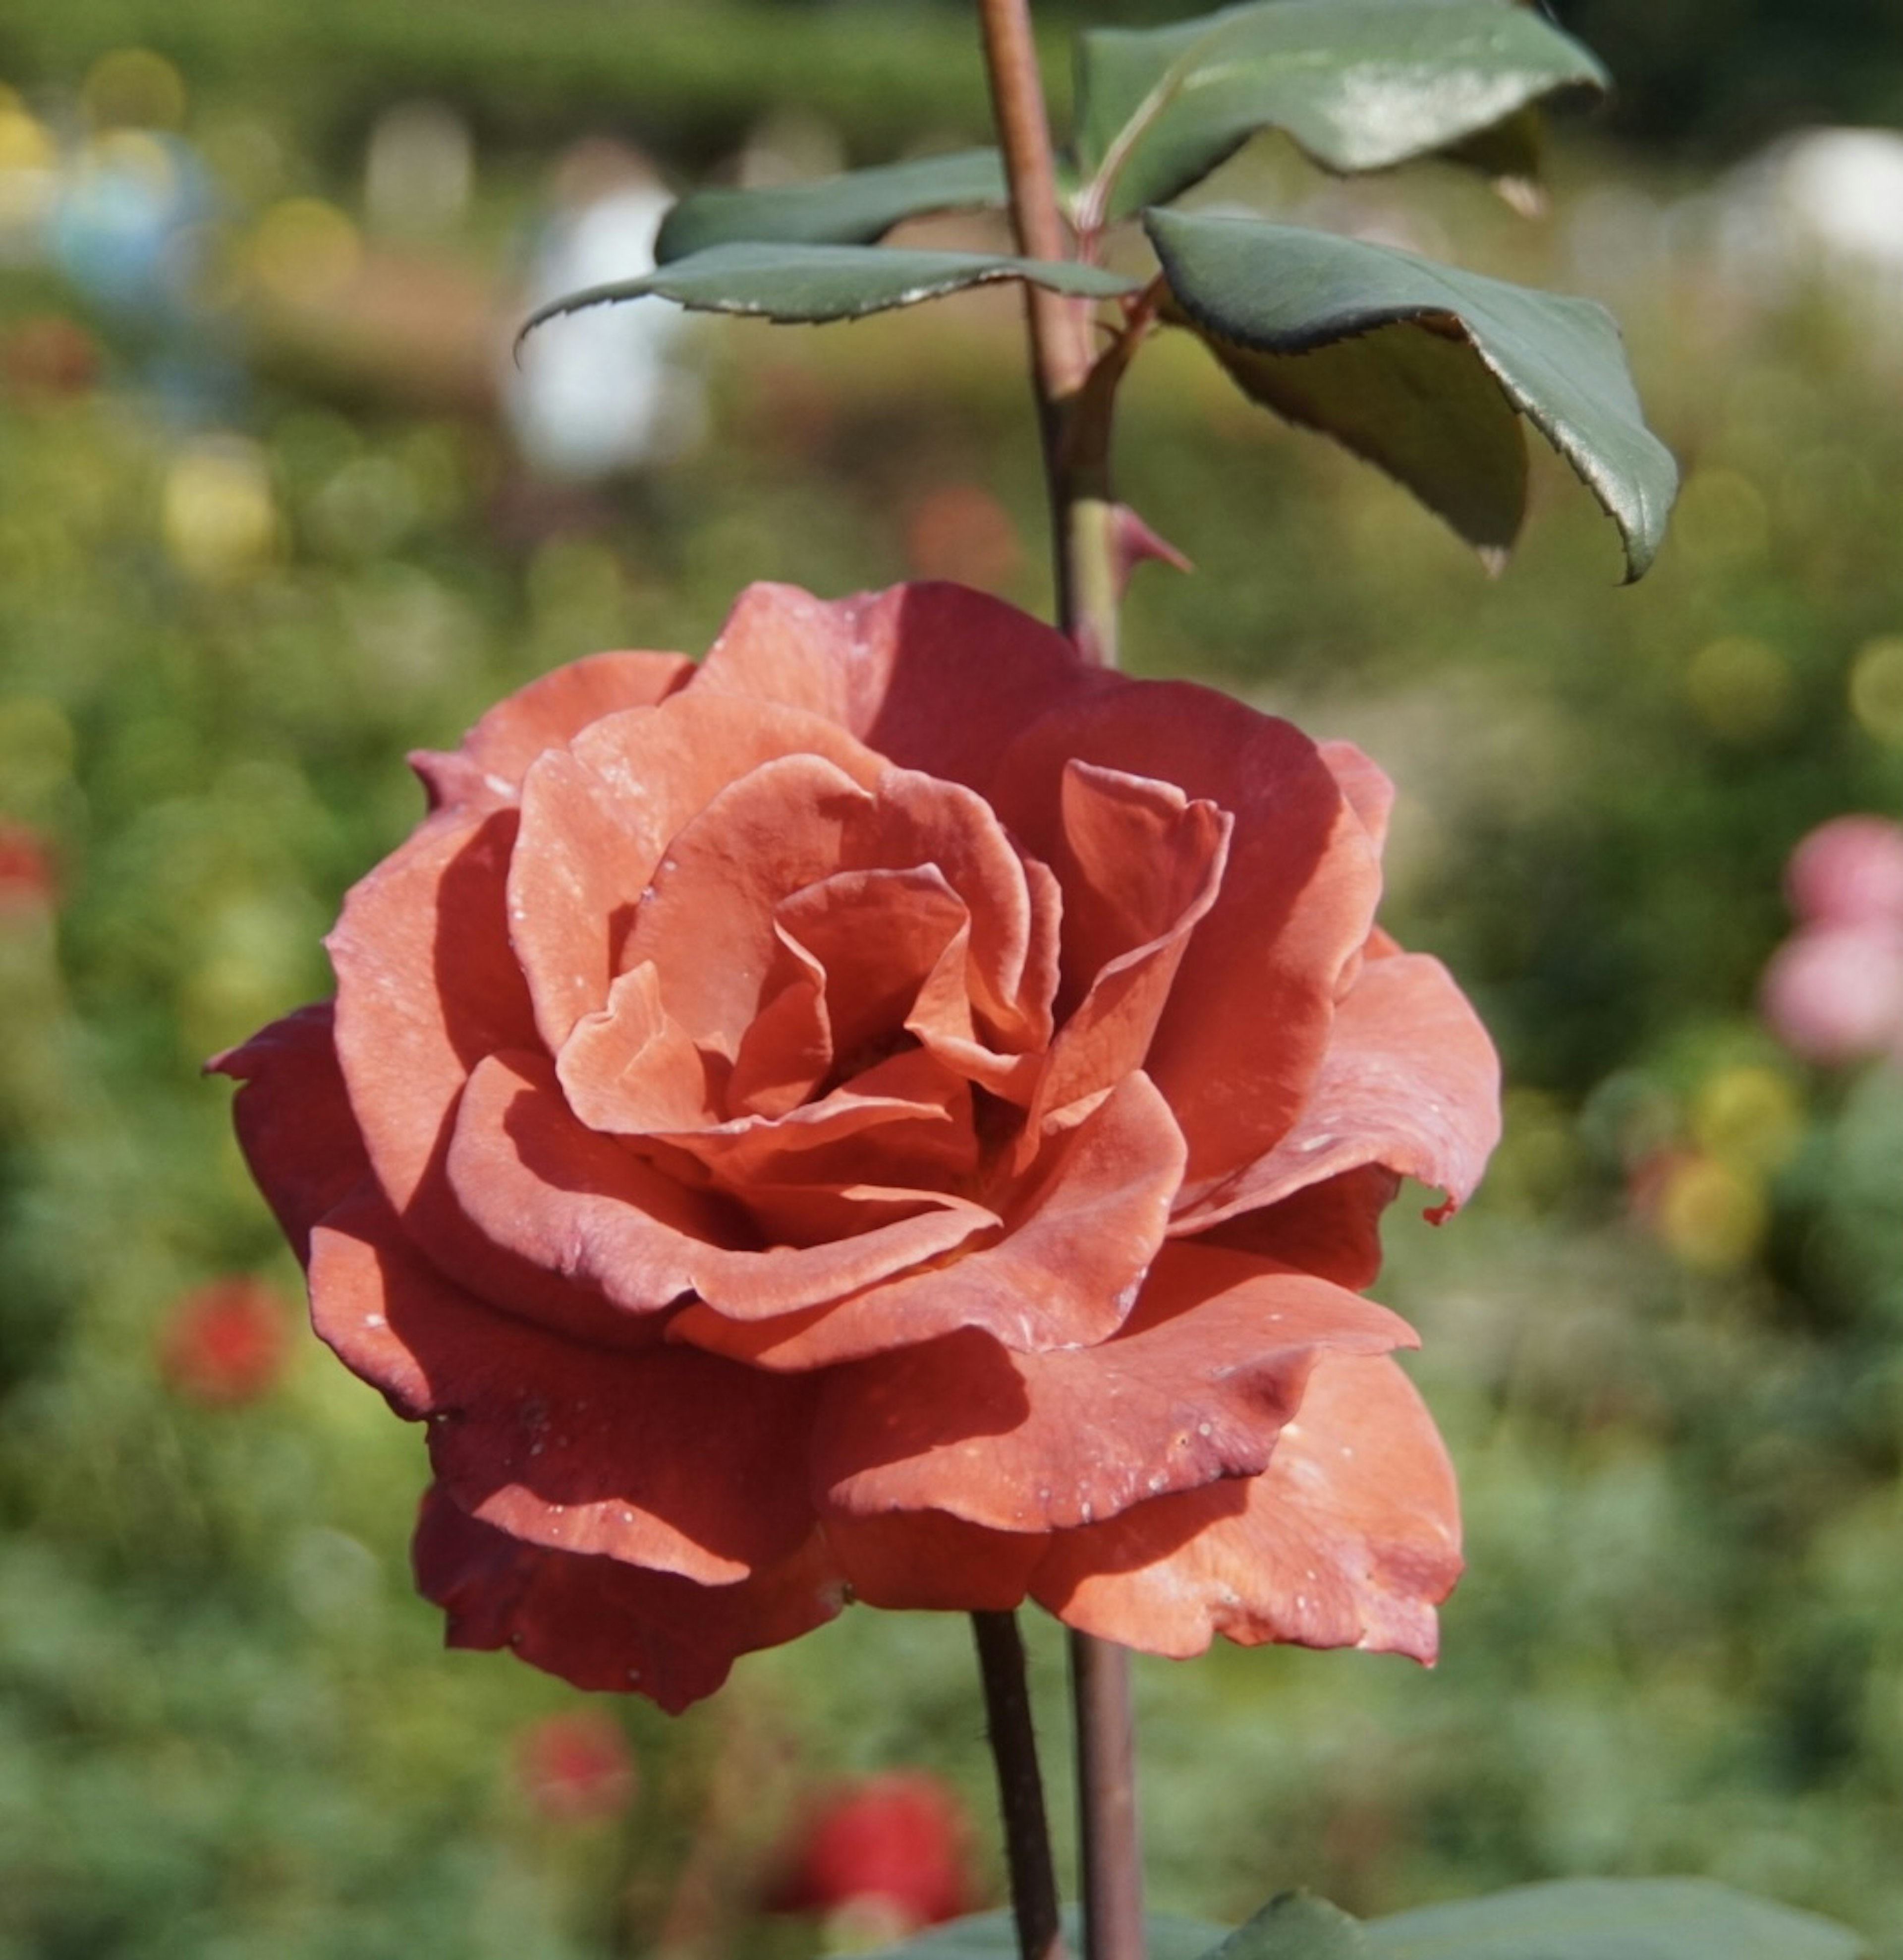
[1824,203]
[602,392]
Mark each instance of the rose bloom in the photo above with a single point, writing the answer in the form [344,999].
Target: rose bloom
[893,1113]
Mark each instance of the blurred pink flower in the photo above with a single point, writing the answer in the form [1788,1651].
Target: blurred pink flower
[1834,994]
[1848,872]
[575,1767]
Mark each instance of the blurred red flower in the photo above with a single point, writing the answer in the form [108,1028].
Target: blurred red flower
[224,1343]
[894,1112]
[27,879]
[575,1767]
[898,1842]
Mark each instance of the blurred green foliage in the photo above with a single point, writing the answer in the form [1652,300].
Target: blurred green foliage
[1666,1344]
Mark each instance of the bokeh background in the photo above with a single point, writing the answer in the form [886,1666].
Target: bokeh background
[274,507]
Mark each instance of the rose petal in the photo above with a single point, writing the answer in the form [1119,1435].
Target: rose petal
[600,1624]
[1140,864]
[535,1182]
[937,677]
[1242,1037]
[598,817]
[925,1562]
[1036,1442]
[485,771]
[907,1119]
[1369,791]
[294,1119]
[1332,1228]
[1350,1538]
[632,1068]
[1410,1082]
[426,987]
[787,1050]
[1062,1273]
[559,1443]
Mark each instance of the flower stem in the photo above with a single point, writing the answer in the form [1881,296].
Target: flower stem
[1020,1790]
[1076,475]
[1073,419]
[1110,1843]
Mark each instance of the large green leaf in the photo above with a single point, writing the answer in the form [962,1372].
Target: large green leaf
[856,209]
[1611,1919]
[816,282]
[991,1935]
[1422,369]
[1360,84]
[1296,1926]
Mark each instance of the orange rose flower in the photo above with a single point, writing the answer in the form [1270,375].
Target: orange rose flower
[893,1113]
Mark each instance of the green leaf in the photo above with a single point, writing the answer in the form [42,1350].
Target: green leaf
[1423,369]
[1296,1926]
[1360,84]
[856,209]
[992,1935]
[816,282]
[1612,1919]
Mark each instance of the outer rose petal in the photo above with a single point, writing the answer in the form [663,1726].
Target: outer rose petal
[559,1443]
[486,770]
[426,987]
[1350,1538]
[600,1624]
[294,1119]
[1200,1390]
[1410,1082]
[924,1561]
[938,678]
[1243,1035]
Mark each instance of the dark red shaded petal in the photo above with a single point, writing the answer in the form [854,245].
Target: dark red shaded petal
[1242,1037]
[1410,1082]
[1063,1272]
[661,1458]
[599,1624]
[1140,864]
[926,1562]
[485,771]
[294,1119]
[597,820]
[937,677]
[1037,1442]
[1332,1228]
[536,1183]
[1350,1538]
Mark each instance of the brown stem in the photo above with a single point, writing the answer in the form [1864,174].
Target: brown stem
[1083,517]
[1020,1790]
[1108,1836]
